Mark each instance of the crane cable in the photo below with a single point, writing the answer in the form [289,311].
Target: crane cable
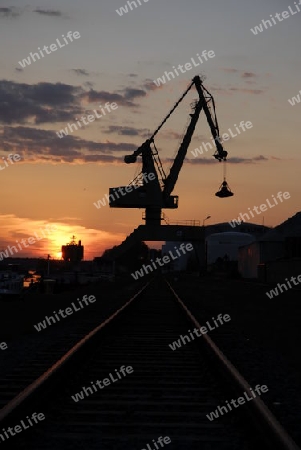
[171,111]
[224,169]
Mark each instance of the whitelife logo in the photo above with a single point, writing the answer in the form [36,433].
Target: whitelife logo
[124,9]
[240,400]
[293,101]
[11,159]
[161,440]
[91,117]
[225,137]
[287,286]
[68,311]
[3,346]
[166,260]
[31,240]
[280,17]
[262,208]
[187,66]
[203,330]
[102,202]
[102,384]
[24,425]
[53,48]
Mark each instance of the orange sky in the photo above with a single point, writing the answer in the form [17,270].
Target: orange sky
[116,59]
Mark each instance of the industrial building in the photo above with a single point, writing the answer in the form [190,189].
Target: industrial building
[227,244]
[275,255]
[73,252]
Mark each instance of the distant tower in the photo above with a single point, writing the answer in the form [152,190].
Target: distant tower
[73,252]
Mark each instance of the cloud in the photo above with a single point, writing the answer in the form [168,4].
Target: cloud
[149,85]
[172,135]
[131,93]
[244,90]
[230,160]
[80,72]
[40,103]
[88,84]
[248,91]
[142,132]
[255,159]
[48,12]
[249,75]
[126,131]
[9,12]
[246,77]
[229,70]
[37,145]
[45,102]
[104,96]
[16,228]
[242,73]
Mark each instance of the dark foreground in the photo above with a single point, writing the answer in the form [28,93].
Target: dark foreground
[261,339]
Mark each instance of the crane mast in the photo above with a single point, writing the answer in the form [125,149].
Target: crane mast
[172,178]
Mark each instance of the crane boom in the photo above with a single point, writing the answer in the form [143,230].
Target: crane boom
[220,154]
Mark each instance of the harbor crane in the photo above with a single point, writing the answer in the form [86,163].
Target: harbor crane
[155,195]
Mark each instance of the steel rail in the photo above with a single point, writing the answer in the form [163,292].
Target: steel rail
[270,422]
[31,388]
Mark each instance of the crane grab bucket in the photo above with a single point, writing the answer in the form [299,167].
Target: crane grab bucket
[224,190]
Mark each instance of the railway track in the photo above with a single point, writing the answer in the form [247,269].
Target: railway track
[123,387]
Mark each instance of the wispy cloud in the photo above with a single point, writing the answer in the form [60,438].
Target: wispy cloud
[13,12]
[80,72]
[10,12]
[243,90]
[249,91]
[126,131]
[232,160]
[48,12]
[249,75]
[149,85]
[132,93]
[230,70]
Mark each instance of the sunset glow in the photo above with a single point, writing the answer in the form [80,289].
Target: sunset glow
[58,179]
